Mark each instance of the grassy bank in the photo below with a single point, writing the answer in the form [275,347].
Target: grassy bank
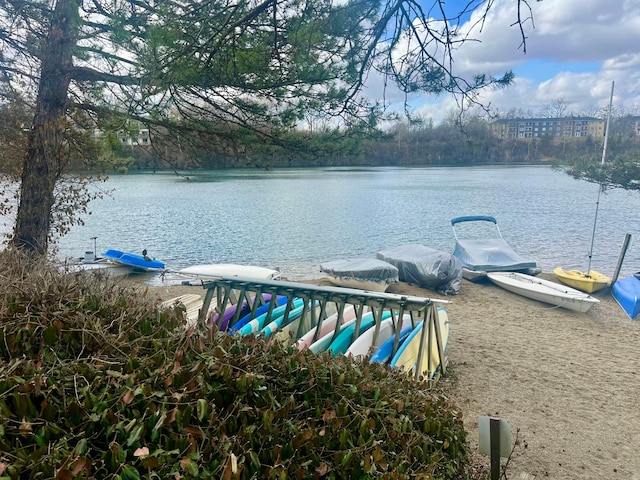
[96,382]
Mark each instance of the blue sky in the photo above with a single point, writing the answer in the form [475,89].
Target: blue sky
[575,49]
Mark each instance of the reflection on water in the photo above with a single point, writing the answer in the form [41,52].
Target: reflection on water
[294,219]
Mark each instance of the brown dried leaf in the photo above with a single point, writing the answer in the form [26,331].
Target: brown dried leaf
[82,464]
[323,469]
[328,415]
[64,474]
[128,397]
[140,452]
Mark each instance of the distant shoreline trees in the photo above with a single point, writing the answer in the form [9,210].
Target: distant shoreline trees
[418,144]
[423,144]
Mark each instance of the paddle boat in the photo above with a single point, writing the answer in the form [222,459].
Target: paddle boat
[136,262]
[626,292]
[544,290]
[363,273]
[490,254]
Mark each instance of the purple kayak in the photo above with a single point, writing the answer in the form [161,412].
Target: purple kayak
[230,312]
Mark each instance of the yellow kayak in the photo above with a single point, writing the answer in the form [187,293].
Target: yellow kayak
[590,283]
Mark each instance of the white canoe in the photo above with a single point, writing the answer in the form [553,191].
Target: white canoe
[543,290]
[217,270]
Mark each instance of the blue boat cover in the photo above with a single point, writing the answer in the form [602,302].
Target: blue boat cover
[425,267]
[491,255]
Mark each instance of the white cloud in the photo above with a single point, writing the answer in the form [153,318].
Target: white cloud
[578,47]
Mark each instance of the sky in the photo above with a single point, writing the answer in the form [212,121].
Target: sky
[575,49]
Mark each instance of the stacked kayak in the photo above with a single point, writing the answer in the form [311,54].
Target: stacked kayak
[377,338]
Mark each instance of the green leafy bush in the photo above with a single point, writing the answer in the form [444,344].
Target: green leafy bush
[95,382]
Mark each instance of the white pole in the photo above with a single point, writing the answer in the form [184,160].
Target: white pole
[604,156]
[606,132]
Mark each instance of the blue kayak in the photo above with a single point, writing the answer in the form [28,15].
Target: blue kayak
[262,309]
[259,322]
[384,352]
[341,343]
[626,291]
[278,322]
[133,260]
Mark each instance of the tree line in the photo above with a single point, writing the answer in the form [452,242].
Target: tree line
[421,144]
[418,143]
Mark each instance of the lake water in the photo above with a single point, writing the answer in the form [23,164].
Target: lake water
[295,219]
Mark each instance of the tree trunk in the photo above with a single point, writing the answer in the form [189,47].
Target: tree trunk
[44,161]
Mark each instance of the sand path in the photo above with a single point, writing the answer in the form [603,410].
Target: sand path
[569,382]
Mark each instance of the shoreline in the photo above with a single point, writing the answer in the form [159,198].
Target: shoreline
[566,381]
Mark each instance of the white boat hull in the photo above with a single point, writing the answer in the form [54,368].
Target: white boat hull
[543,290]
[479,275]
[218,270]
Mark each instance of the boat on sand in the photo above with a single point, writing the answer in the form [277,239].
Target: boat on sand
[425,267]
[363,273]
[590,281]
[626,292]
[544,290]
[217,270]
[488,254]
[587,282]
[134,261]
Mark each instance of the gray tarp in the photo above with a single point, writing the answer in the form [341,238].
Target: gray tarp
[425,267]
[361,268]
[491,255]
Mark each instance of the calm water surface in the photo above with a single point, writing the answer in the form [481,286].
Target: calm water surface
[295,219]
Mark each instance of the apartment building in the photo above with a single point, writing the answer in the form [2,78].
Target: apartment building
[141,136]
[554,127]
[634,125]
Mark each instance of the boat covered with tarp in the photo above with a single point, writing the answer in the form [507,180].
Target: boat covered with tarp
[425,267]
[364,273]
[488,254]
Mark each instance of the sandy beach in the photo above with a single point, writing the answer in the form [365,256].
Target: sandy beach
[568,382]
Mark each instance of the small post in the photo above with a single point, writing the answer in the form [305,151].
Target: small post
[495,440]
[494,437]
[623,252]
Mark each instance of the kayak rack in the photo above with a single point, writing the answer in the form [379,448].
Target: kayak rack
[225,292]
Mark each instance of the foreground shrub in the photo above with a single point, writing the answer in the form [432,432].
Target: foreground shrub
[94,383]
